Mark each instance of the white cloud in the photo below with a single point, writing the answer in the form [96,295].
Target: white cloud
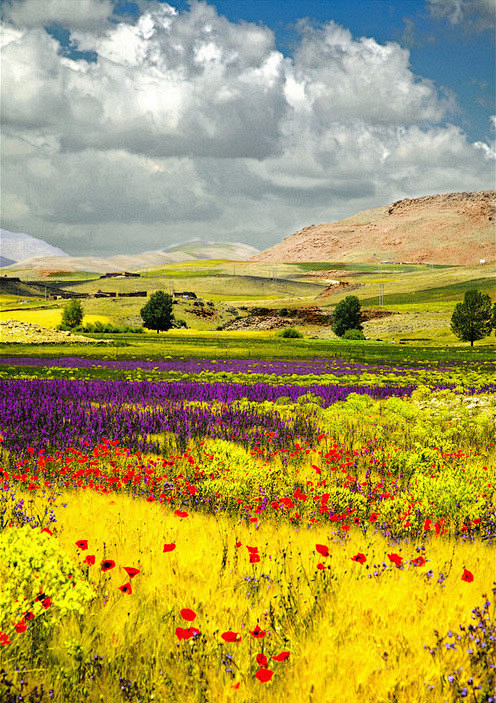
[190,125]
[475,14]
[81,14]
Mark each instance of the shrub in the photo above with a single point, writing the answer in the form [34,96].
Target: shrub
[353,334]
[72,314]
[290,333]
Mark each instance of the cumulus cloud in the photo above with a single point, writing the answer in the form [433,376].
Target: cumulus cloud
[476,14]
[189,125]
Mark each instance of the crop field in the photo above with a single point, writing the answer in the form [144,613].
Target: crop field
[256,530]
[47,318]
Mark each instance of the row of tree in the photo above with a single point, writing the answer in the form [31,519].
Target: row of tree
[471,320]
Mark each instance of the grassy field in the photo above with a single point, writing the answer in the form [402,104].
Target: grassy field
[46,318]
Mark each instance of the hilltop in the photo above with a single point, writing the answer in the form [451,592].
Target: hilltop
[451,229]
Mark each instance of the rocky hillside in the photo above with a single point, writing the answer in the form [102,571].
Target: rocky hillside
[453,229]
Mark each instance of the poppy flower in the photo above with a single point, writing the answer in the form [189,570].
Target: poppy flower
[419,561]
[254,558]
[20,626]
[126,588]
[82,544]
[427,524]
[281,657]
[395,558]
[131,571]
[238,544]
[90,559]
[261,659]
[231,636]
[252,550]
[188,614]
[4,638]
[360,558]
[49,532]
[258,633]
[321,566]
[107,564]
[467,576]
[322,549]
[29,615]
[169,547]
[236,686]
[184,633]
[264,675]
[181,513]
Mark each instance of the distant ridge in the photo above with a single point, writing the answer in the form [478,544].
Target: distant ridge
[451,228]
[16,246]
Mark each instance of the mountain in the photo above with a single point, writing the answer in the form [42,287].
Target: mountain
[17,246]
[191,251]
[450,228]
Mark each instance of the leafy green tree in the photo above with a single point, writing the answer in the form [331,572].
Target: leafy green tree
[157,313]
[347,316]
[472,319]
[494,317]
[72,314]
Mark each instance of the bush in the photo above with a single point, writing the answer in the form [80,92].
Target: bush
[72,314]
[347,315]
[290,333]
[353,334]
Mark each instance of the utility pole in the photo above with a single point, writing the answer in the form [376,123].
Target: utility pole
[381,294]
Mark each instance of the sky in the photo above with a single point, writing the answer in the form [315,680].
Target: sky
[134,126]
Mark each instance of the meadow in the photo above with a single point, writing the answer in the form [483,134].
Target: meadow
[248,529]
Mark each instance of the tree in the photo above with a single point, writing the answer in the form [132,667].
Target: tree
[72,314]
[347,316]
[472,319]
[157,313]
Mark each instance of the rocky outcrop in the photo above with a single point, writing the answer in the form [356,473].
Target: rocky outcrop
[15,332]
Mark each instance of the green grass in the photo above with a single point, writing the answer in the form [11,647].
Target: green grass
[450,292]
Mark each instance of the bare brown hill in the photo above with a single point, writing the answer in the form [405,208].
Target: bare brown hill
[452,229]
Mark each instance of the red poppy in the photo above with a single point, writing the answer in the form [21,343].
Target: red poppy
[231,636]
[126,588]
[360,558]
[427,524]
[238,544]
[29,615]
[252,550]
[419,561]
[49,532]
[467,576]
[264,675]
[188,614]
[236,685]
[180,513]
[90,559]
[261,659]
[169,547]
[4,638]
[258,633]
[254,558]
[20,626]
[321,566]
[184,633]
[281,657]
[131,571]
[322,549]
[82,543]
[107,564]
[395,558]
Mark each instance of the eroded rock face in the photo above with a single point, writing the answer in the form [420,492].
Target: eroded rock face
[15,332]
[452,228]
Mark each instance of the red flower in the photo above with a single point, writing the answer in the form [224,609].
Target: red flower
[126,588]
[254,558]
[188,614]
[184,633]
[107,564]
[131,571]
[29,615]
[261,659]
[238,544]
[419,561]
[43,599]
[49,532]
[236,685]
[231,636]
[281,657]
[322,549]
[82,543]
[90,559]
[360,558]
[252,550]
[264,675]
[321,566]
[427,524]
[467,576]
[4,638]
[169,547]
[258,633]
[20,626]
[395,558]
[181,513]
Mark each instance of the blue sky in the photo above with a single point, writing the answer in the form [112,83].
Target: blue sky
[131,126]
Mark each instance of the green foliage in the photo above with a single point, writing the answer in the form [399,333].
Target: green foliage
[347,316]
[353,334]
[72,315]
[472,319]
[289,333]
[157,313]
